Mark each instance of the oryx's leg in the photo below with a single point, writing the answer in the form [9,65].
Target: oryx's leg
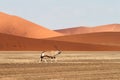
[51,60]
[45,60]
[41,59]
[55,60]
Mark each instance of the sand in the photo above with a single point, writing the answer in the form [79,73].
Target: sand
[89,65]
[102,38]
[84,29]
[14,25]
[16,43]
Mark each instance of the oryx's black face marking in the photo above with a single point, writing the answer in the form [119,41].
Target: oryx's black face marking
[59,52]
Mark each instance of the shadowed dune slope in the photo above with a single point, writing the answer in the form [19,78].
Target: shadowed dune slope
[76,30]
[10,43]
[83,30]
[17,26]
[103,38]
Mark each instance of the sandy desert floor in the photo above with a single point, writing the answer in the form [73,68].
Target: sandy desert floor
[71,65]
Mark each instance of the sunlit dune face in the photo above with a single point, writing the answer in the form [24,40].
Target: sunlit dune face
[84,30]
[17,26]
[25,35]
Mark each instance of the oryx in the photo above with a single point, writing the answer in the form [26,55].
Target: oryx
[49,55]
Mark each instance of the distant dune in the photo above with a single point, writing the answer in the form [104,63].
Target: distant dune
[15,43]
[17,26]
[76,30]
[101,38]
[83,30]
[19,34]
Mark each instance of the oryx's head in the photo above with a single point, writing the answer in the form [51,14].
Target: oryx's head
[59,52]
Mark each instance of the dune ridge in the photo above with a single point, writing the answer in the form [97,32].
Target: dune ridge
[14,25]
[19,34]
[84,30]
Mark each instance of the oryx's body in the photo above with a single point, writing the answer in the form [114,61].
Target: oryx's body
[49,55]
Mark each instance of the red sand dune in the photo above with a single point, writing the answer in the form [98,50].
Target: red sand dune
[101,38]
[76,30]
[19,34]
[83,30]
[10,43]
[17,26]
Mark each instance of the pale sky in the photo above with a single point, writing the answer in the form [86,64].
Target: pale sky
[58,14]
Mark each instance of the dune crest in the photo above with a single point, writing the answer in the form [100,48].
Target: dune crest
[19,34]
[84,30]
[14,25]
